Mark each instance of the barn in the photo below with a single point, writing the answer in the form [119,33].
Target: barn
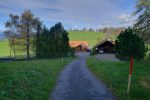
[105,46]
[79,46]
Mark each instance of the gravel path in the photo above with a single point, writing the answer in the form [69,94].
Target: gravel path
[77,83]
[107,57]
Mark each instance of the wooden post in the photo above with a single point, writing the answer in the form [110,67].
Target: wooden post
[130,74]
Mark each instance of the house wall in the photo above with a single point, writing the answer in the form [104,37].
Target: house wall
[107,47]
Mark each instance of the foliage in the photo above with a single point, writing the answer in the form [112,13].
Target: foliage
[143,22]
[53,42]
[115,76]
[29,80]
[93,51]
[129,44]
[21,30]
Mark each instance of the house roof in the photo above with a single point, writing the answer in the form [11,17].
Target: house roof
[105,40]
[75,44]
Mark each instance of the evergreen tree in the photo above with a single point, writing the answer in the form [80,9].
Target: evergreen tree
[38,42]
[129,44]
[53,42]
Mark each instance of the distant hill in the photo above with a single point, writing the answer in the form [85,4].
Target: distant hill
[91,37]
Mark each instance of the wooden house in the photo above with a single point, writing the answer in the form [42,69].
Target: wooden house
[79,46]
[105,46]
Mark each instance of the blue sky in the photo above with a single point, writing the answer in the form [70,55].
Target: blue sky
[73,13]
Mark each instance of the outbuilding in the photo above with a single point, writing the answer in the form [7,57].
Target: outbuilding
[105,46]
[79,46]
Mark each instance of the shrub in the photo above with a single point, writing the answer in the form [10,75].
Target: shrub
[93,52]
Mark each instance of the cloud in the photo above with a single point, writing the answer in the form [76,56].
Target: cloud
[124,18]
[81,13]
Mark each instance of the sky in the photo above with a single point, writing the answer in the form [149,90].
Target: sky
[73,13]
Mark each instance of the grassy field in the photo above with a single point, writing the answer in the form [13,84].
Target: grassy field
[91,37]
[115,75]
[29,80]
[4,48]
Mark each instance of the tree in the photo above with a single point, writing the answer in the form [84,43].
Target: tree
[38,42]
[21,31]
[28,26]
[142,25]
[60,39]
[53,42]
[129,44]
[11,32]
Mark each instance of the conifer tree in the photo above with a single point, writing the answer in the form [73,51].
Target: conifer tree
[129,44]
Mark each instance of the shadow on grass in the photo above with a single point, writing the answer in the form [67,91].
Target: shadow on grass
[23,58]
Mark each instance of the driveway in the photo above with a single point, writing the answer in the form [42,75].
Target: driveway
[76,82]
[107,57]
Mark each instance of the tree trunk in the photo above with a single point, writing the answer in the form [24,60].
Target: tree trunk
[62,59]
[28,44]
[10,49]
[37,42]
[14,48]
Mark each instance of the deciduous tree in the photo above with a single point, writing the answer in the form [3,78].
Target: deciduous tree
[142,25]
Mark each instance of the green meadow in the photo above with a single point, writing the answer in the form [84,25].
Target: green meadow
[29,79]
[91,37]
[115,76]
[4,48]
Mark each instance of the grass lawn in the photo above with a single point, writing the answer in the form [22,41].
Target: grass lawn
[91,37]
[29,80]
[4,48]
[115,75]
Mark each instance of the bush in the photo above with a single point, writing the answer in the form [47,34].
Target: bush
[129,44]
[71,52]
[93,52]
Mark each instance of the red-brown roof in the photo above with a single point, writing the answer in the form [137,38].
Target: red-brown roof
[75,44]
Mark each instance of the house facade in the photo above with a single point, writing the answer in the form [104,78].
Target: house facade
[105,46]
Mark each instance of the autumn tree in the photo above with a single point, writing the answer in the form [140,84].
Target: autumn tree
[12,30]
[22,30]
[28,27]
[142,25]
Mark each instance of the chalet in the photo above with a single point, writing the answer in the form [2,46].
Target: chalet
[79,45]
[105,46]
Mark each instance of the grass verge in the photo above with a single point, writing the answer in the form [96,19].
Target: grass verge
[115,76]
[29,80]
